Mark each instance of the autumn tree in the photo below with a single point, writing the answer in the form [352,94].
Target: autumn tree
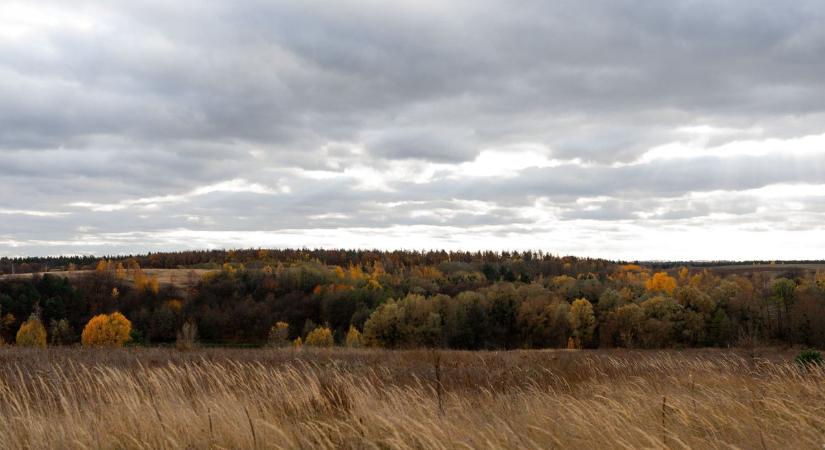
[628,321]
[61,332]
[582,321]
[320,337]
[661,282]
[187,338]
[32,333]
[353,337]
[784,294]
[279,335]
[383,328]
[106,329]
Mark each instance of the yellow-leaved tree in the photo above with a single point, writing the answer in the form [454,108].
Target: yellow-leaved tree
[106,329]
[582,321]
[32,333]
[661,282]
[320,337]
[353,337]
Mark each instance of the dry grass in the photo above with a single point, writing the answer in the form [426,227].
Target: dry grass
[181,278]
[278,398]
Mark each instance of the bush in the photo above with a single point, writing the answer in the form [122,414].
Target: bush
[187,338]
[112,329]
[279,335]
[61,333]
[320,337]
[32,333]
[353,337]
[809,357]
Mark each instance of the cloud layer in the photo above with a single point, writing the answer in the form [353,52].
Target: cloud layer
[625,129]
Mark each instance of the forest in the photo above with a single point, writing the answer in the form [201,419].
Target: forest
[474,301]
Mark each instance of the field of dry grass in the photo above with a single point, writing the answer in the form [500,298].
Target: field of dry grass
[181,278]
[280,398]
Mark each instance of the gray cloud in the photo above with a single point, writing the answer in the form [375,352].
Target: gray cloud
[370,115]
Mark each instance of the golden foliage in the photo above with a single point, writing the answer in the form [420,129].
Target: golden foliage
[320,337]
[32,333]
[582,321]
[356,273]
[684,274]
[279,334]
[175,305]
[102,266]
[140,280]
[153,285]
[106,329]
[428,273]
[661,282]
[120,271]
[297,343]
[353,337]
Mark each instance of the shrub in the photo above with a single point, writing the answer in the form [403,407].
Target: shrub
[320,337]
[106,329]
[353,337]
[32,333]
[61,333]
[187,338]
[810,357]
[297,343]
[279,335]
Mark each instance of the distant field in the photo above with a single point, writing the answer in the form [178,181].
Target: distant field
[767,267]
[361,399]
[181,278]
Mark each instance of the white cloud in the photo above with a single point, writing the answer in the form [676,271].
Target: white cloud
[231,186]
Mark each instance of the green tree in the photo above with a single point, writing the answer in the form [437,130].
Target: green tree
[628,320]
[383,328]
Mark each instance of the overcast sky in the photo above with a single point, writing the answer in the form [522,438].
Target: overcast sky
[620,129]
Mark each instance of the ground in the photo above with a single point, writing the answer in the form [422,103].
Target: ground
[351,398]
[182,278]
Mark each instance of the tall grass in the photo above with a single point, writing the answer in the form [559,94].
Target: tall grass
[280,398]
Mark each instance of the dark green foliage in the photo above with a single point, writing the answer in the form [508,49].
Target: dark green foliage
[808,358]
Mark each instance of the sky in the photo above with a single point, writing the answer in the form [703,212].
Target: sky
[632,130]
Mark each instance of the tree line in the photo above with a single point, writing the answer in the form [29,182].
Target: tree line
[458,300]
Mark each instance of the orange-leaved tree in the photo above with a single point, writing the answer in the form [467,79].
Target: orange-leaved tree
[661,282]
[106,329]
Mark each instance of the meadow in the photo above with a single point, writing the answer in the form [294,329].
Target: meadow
[154,398]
